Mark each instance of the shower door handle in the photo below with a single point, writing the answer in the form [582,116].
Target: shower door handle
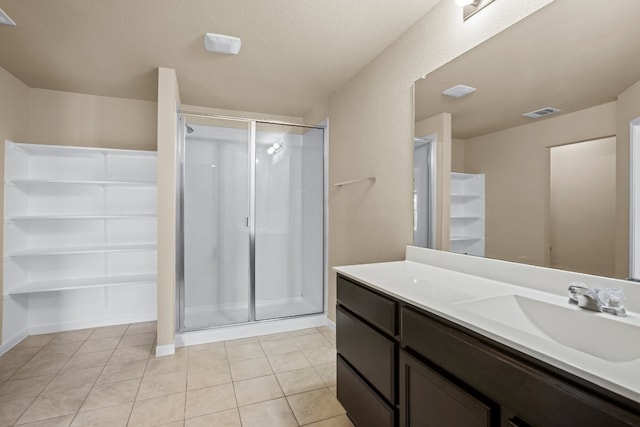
[246,221]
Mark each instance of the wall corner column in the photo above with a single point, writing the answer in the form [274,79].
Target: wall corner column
[168,104]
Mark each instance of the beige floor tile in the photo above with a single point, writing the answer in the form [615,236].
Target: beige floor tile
[334,390]
[115,331]
[331,337]
[18,356]
[130,354]
[11,410]
[6,371]
[229,418]
[63,421]
[279,346]
[57,351]
[288,361]
[270,413]
[250,350]
[53,405]
[240,341]
[205,347]
[159,410]
[113,416]
[321,355]
[88,360]
[327,373]
[167,364]
[38,368]
[104,344]
[22,388]
[252,368]
[35,341]
[126,371]
[339,421]
[316,405]
[71,336]
[206,376]
[324,329]
[205,358]
[313,340]
[301,332]
[299,381]
[141,328]
[74,379]
[137,339]
[173,424]
[111,394]
[160,385]
[257,390]
[209,400]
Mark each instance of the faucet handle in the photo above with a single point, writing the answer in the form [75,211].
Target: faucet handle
[614,297]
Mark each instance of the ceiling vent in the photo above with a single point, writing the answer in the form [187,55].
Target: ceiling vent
[459,91]
[547,111]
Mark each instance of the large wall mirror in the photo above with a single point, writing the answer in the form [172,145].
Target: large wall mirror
[553,190]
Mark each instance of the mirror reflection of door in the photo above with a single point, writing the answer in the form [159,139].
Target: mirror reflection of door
[423,192]
[583,206]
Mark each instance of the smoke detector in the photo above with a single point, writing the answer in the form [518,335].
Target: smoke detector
[459,91]
[222,44]
[546,111]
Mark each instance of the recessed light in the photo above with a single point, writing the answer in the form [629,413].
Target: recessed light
[459,91]
[5,19]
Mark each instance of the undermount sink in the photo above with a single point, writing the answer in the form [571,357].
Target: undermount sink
[583,330]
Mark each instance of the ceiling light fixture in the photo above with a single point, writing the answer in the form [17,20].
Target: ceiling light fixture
[459,91]
[6,19]
[222,44]
[471,7]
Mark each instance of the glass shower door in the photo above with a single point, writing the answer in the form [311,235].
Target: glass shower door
[289,221]
[215,212]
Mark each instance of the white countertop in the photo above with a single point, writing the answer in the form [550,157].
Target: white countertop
[444,291]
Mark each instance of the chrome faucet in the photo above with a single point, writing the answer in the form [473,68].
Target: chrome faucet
[589,299]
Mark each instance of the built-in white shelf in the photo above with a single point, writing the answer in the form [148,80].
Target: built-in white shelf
[467,213]
[79,222]
[79,217]
[26,182]
[84,283]
[83,250]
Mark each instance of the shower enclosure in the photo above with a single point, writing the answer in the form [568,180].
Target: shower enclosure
[251,243]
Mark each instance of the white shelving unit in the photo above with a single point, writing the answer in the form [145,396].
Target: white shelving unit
[467,213]
[80,238]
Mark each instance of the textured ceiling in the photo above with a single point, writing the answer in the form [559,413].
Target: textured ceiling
[294,52]
[566,55]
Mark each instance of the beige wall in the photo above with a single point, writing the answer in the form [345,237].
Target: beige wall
[628,108]
[371,132]
[14,125]
[65,118]
[582,206]
[457,155]
[516,166]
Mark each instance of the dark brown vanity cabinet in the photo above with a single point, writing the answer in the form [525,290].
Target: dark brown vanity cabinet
[366,340]
[400,365]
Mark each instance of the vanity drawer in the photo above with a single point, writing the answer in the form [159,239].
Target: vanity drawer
[364,406]
[369,352]
[375,308]
[535,394]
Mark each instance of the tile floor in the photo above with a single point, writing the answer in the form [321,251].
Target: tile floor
[109,377]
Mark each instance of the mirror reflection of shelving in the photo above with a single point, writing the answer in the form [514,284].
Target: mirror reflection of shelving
[467,220]
[78,219]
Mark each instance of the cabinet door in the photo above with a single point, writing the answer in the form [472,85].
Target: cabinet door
[429,400]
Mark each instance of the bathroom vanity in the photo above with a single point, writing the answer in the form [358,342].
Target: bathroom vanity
[424,345]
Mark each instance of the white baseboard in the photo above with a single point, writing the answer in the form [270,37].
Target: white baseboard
[84,324]
[8,344]
[250,330]
[165,350]
[331,324]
